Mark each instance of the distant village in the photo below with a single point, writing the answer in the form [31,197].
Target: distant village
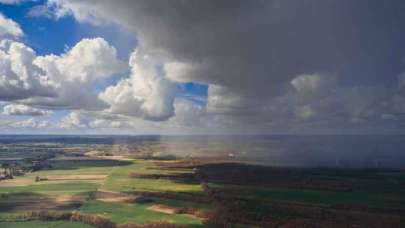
[31,158]
[10,169]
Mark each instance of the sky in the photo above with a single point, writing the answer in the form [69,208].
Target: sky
[202,67]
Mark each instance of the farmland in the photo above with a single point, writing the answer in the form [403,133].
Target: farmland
[96,187]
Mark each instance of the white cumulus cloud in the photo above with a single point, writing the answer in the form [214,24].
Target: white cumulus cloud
[76,72]
[18,109]
[9,27]
[31,123]
[147,94]
[88,61]
[73,120]
[57,81]
[20,78]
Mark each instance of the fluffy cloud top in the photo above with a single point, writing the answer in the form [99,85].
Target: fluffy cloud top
[73,120]
[147,94]
[57,81]
[20,78]
[17,109]
[88,61]
[9,27]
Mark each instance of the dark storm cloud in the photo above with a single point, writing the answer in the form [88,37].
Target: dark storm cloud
[250,51]
[270,41]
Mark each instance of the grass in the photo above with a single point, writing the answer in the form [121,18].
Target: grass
[120,180]
[38,224]
[60,188]
[63,168]
[136,213]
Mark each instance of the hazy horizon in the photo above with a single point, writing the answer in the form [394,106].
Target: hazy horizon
[341,151]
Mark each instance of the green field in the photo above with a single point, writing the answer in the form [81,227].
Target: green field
[118,180]
[136,213]
[50,224]
[73,187]
[116,184]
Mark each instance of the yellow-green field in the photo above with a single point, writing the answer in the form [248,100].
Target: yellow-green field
[73,185]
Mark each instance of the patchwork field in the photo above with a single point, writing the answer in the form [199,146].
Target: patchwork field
[98,186]
[118,191]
